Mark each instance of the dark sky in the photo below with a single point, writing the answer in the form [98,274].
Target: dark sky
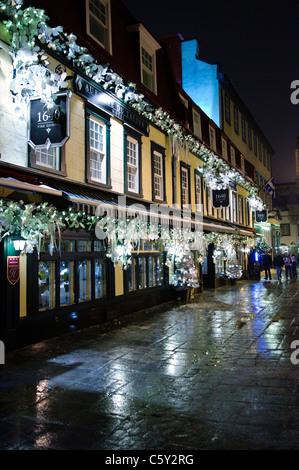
[256,43]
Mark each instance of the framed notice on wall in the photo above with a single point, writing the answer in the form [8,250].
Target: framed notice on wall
[49,127]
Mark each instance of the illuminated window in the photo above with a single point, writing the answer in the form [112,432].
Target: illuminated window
[46,285]
[98,22]
[184,186]
[158,175]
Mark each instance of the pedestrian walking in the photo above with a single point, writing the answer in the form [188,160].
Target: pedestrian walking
[267,264]
[294,265]
[278,265]
[288,266]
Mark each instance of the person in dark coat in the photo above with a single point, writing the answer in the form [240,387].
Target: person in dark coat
[278,264]
[267,263]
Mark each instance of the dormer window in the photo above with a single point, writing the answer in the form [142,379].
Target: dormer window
[148,47]
[98,22]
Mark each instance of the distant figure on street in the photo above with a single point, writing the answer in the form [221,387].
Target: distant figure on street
[267,263]
[278,264]
[288,266]
[294,265]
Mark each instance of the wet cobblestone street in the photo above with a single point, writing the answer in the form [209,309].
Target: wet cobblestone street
[212,374]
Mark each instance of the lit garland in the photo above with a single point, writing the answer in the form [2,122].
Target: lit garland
[33,77]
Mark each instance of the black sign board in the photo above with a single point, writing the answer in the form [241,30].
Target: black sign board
[220,198]
[261,216]
[110,105]
[48,128]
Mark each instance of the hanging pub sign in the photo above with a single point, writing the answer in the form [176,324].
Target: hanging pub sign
[49,127]
[109,104]
[220,198]
[13,269]
[261,216]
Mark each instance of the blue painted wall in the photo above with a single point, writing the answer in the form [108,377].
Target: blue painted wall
[199,80]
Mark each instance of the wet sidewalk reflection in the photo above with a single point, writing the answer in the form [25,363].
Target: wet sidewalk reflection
[213,374]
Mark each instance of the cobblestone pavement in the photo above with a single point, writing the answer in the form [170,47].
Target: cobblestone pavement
[213,374]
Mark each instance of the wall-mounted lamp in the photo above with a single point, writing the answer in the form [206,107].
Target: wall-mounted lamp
[19,244]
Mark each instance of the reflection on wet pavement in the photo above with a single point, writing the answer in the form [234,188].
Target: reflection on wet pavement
[212,374]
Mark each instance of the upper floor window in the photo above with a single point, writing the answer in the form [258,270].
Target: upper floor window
[212,134]
[98,22]
[227,108]
[185,194]
[243,124]
[98,150]
[52,159]
[97,141]
[249,137]
[196,124]
[198,192]
[158,170]
[148,47]
[236,119]
[232,156]
[242,164]
[224,147]
[132,165]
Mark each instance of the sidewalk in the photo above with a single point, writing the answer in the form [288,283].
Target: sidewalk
[212,374]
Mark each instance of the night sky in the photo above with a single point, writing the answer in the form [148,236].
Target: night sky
[256,44]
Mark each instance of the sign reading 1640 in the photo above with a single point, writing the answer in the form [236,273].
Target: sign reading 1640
[48,127]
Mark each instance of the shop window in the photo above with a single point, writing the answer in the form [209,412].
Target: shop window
[132,282]
[142,284]
[46,285]
[98,22]
[100,278]
[83,245]
[84,279]
[66,282]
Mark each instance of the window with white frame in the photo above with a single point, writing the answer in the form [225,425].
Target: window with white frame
[224,147]
[198,192]
[148,76]
[97,144]
[212,134]
[132,165]
[98,22]
[158,175]
[184,185]
[197,124]
[48,158]
[234,208]
[241,210]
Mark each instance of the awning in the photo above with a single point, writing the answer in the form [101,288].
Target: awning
[21,186]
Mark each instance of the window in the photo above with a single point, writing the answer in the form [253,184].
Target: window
[84,280]
[132,165]
[241,210]
[97,150]
[224,147]
[247,211]
[236,119]
[250,137]
[98,22]
[198,192]
[260,150]
[234,208]
[46,285]
[227,108]
[285,230]
[100,278]
[147,69]
[243,124]
[232,156]
[51,160]
[158,175]
[212,134]
[242,164]
[184,186]
[197,124]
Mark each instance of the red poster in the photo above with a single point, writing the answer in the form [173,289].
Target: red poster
[13,269]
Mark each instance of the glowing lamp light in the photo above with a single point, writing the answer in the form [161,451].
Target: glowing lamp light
[19,244]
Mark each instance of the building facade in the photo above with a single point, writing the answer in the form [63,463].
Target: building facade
[110,175]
